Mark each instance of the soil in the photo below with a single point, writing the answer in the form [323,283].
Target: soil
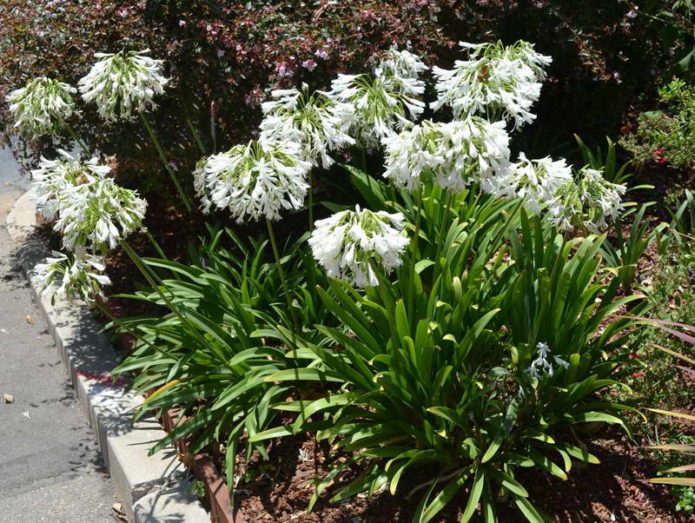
[614,490]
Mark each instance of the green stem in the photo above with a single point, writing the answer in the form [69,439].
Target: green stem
[155,244]
[290,310]
[195,134]
[74,136]
[281,272]
[165,161]
[416,253]
[444,227]
[311,202]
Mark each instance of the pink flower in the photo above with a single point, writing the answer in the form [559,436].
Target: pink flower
[309,64]
[321,53]
[284,70]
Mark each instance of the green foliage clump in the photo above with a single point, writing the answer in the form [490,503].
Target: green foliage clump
[667,136]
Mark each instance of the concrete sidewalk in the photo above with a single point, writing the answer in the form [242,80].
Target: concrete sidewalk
[50,468]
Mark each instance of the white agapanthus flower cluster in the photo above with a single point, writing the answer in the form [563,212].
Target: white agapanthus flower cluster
[315,122]
[99,215]
[590,201]
[535,181]
[123,84]
[41,107]
[402,70]
[454,154]
[255,181]
[80,276]
[498,81]
[53,180]
[381,107]
[545,363]
[349,242]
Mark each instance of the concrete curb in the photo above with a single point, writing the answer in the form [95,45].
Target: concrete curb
[152,488]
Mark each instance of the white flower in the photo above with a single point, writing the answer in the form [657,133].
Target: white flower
[41,107]
[543,364]
[79,277]
[200,186]
[498,81]
[402,70]
[347,243]
[255,181]
[590,201]
[53,179]
[380,107]
[535,181]
[455,154]
[123,84]
[313,121]
[99,214]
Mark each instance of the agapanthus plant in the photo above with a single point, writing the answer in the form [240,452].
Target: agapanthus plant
[498,81]
[349,242]
[255,181]
[42,107]
[123,84]
[78,276]
[535,181]
[454,154]
[99,215]
[312,120]
[589,201]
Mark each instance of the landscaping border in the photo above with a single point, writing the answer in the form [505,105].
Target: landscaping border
[152,488]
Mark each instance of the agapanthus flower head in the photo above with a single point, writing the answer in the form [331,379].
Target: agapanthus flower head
[496,80]
[348,243]
[402,70]
[314,121]
[535,181]
[256,180]
[54,179]
[99,215]
[545,363]
[590,201]
[123,84]
[381,108]
[454,154]
[41,107]
[79,276]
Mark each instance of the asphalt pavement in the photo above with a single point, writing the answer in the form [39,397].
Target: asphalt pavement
[50,467]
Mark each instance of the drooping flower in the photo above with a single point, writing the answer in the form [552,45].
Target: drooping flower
[53,180]
[256,180]
[123,84]
[590,201]
[41,107]
[402,71]
[497,81]
[80,276]
[312,120]
[535,181]
[455,154]
[347,243]
[99,215]
[200,186]
[544,362]
[381,108]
